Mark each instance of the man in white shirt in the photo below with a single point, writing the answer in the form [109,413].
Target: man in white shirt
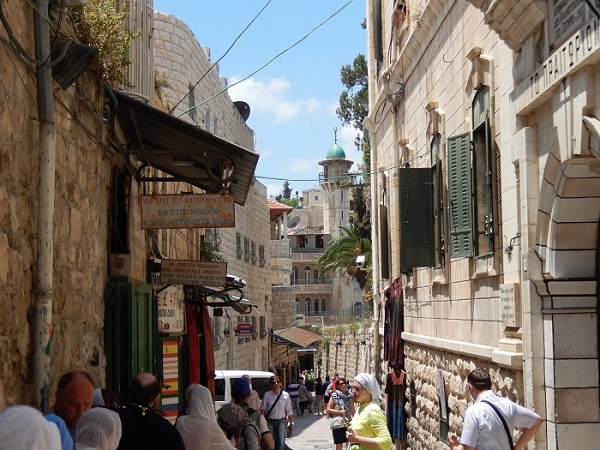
[490,421]
[276,406]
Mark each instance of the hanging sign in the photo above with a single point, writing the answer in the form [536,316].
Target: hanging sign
[243,330]
[170,309]
[194,273]
[188,211]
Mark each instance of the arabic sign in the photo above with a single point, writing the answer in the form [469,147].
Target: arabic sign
[196,273]
[188,211]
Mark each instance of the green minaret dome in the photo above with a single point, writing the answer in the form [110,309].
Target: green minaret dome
[335,151]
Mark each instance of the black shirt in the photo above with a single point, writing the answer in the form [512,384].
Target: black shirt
[144,429]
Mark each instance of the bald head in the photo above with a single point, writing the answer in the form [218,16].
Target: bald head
[144,389]
[74,396]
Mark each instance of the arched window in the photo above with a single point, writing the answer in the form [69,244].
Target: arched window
[298,306]
[307,303]
[294,275]
[323,306]
[316,305]
[307,275]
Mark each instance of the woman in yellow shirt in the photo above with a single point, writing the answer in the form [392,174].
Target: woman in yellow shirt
[368,428]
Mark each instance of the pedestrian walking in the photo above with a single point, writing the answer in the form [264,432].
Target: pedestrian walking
[368,428]
[293,388]
[340,410]
[276,406]
[489,421]
[302,396]
[319,404]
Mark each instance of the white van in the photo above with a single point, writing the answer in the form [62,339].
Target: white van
[225,378]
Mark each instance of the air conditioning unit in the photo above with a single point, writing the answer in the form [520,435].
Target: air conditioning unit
[119,265]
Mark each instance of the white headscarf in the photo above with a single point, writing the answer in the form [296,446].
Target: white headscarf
[199,429]
[25,427]
[369,382]
[99,428]
[98,398]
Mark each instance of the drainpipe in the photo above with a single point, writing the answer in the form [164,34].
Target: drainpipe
[45,244]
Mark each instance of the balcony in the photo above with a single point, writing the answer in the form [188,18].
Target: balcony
[314,281]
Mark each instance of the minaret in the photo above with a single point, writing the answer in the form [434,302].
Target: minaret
[336,184]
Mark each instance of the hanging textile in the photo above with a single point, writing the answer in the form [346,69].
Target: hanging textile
[201,344]
[393,347]
[395,388]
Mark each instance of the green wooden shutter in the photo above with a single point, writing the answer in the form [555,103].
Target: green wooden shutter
[416,218]
[130,333]
[460,210]
[384,242]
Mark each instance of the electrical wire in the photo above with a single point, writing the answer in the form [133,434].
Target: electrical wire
[292,83]
[270,61]
[218,60]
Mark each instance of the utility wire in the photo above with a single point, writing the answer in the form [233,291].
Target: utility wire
[270,61]
[292,83]
[218,60]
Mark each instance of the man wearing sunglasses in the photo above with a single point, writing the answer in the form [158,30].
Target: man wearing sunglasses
[276,406]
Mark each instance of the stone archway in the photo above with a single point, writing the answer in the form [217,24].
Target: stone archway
[567,242]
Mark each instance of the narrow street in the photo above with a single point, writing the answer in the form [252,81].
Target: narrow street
[311,432]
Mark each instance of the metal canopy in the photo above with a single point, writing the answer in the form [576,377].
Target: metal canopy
[184,151]
[296,336]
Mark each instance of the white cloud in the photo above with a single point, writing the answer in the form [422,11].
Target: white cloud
[274,97]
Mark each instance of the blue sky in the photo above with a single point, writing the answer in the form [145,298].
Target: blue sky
[293,100]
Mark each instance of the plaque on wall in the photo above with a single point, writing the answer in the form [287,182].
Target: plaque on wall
[510,305]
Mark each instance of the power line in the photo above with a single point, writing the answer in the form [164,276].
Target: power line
[292,83]
[218,60]
[270,61]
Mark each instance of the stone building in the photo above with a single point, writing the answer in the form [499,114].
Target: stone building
[180,61]
[483,122]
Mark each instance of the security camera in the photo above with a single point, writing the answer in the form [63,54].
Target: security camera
[360,260]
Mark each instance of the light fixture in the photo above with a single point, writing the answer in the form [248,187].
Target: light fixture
[69,60]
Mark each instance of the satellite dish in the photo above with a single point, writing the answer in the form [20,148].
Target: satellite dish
[243,108]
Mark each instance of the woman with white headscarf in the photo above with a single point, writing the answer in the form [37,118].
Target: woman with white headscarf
[25,427]
[199,428]
[368,428]
[98,429]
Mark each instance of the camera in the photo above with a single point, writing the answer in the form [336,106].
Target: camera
[360,261]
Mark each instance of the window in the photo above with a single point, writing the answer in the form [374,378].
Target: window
[238,246]
[307,306]
[298,311]
[319,242]
[261,256]
[254,331]
[316,198]
[300,241]
[323,304]
[470,185]
[438,201]
[246,249]
[307,275]
[416,218]
[262,327]
[316,308]
[253,256]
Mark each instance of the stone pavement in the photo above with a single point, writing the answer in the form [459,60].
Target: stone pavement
[311,432]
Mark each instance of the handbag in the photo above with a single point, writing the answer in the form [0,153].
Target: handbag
[338,422]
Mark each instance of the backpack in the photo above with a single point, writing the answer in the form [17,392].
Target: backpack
[255,417]
[241,443]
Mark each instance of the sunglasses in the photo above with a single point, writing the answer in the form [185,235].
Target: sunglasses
[340,382]
[274,382]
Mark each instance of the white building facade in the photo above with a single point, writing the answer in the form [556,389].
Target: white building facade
[485,141]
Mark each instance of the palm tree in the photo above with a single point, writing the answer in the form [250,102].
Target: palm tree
[341,254]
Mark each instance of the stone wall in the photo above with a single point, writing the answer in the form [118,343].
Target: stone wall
[422,366]
[342,353]
[83,163]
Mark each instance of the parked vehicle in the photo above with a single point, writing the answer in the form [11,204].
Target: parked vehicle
[225,378]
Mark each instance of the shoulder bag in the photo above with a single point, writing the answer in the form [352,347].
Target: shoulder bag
[510,441]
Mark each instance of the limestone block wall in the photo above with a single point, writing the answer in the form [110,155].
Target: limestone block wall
[423,401]
[180,62]
[346,358]
[81,199]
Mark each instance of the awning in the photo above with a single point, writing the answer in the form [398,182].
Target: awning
[184,151]
[296,336]
[219,299]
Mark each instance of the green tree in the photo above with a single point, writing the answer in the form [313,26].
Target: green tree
[341,254]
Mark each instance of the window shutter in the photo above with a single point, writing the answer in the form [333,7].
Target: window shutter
[384,239]
[416,218]
[460,209]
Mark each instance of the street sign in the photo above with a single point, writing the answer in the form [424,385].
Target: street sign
[243,330]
